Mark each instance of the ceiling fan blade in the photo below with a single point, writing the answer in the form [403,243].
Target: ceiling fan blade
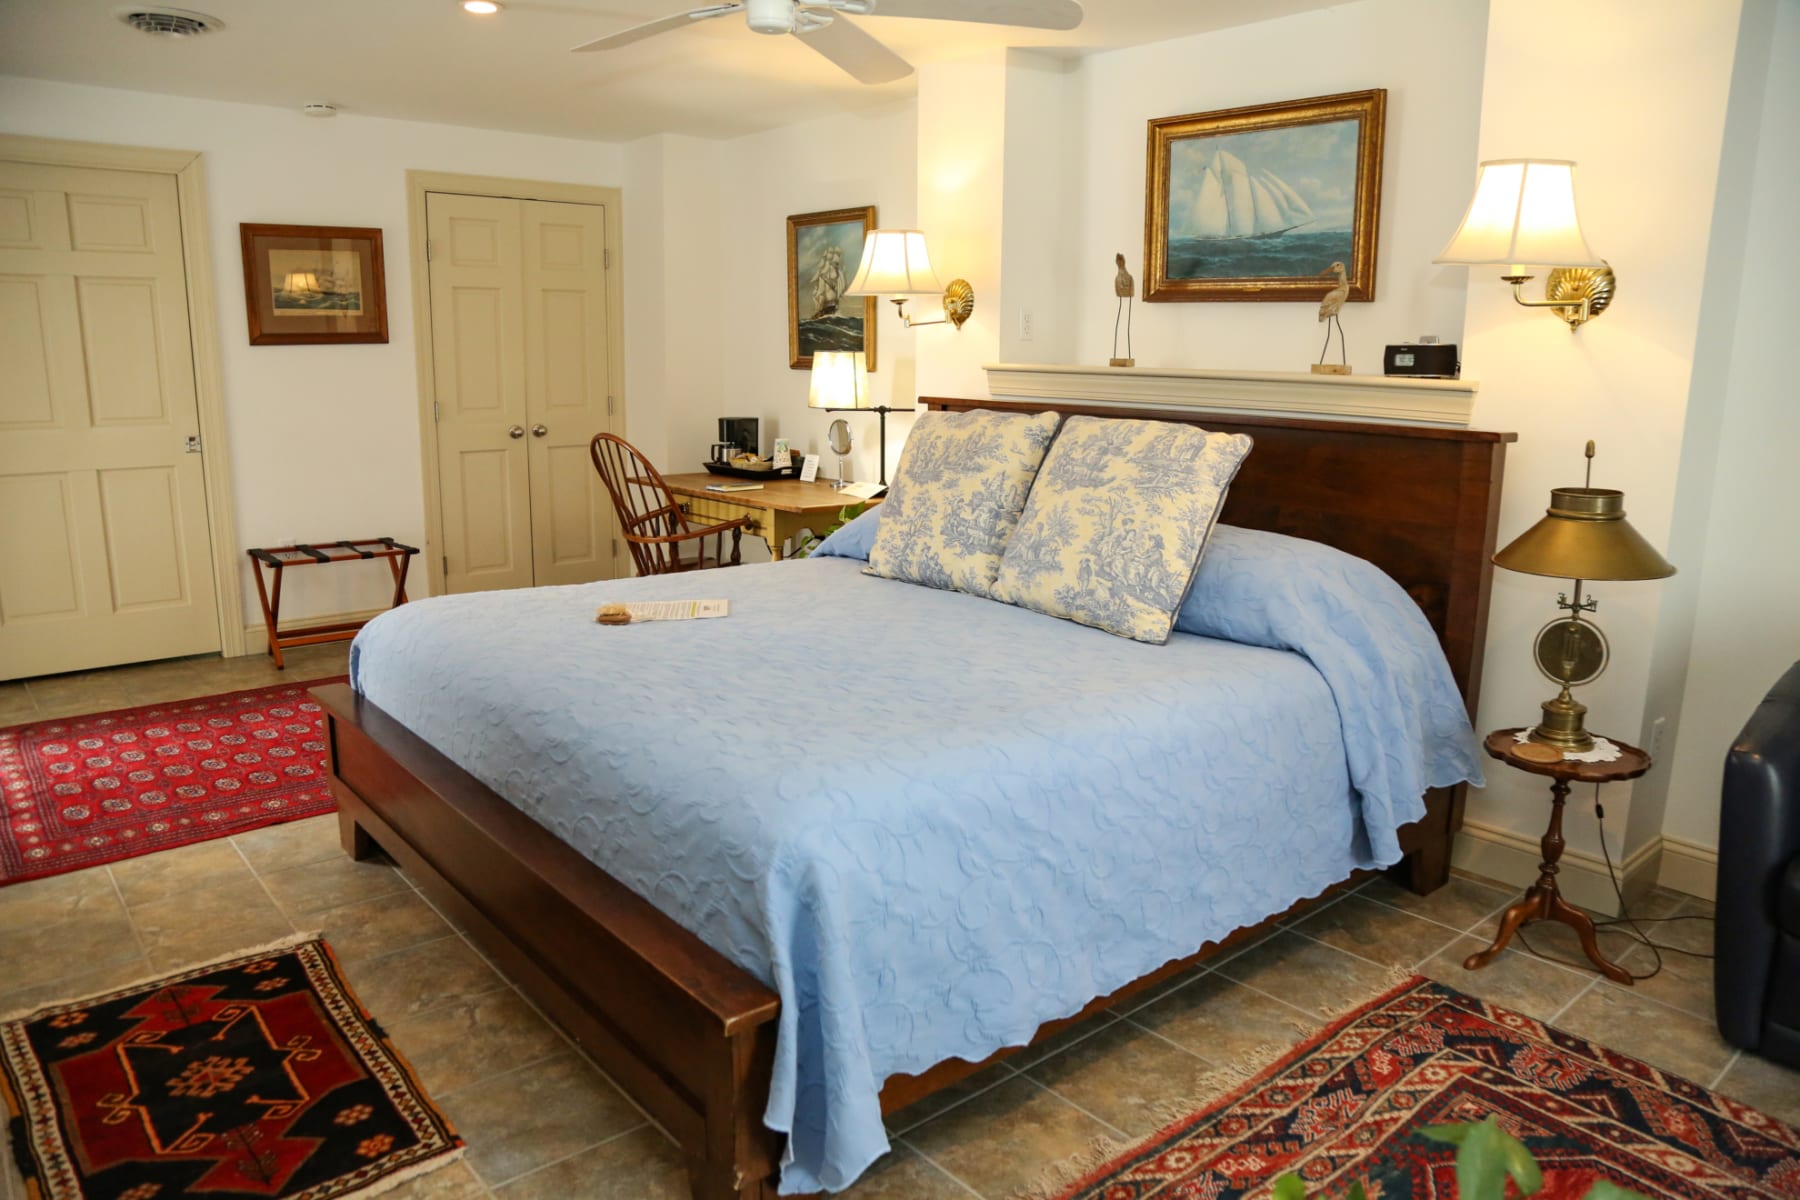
[638,33]
[858,54]
[1032,14]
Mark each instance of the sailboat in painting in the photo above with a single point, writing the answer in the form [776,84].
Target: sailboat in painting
[1235,202]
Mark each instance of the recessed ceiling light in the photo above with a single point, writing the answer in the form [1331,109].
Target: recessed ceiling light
[486,8]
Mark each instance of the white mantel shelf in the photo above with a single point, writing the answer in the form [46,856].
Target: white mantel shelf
[1341,397]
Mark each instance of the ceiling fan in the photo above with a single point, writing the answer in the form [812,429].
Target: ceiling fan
[821,25]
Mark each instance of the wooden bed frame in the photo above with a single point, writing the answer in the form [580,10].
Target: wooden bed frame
[689,1034]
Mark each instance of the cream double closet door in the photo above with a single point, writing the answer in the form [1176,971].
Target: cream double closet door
[105,550]
[520,365]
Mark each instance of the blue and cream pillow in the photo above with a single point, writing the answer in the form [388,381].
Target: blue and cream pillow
[956,497]
[1117,521]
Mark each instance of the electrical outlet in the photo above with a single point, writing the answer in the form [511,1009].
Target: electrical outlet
[1657,728]
[1025,325]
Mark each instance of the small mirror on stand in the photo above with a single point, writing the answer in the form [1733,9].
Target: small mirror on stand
[838,438]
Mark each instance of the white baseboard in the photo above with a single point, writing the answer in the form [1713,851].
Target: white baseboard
[256,637]
[1689,867]
[1514,858]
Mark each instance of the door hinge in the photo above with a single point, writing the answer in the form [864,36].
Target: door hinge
[192,445]
[427,249]
[446,564]
[437,414]
[609,406]
[606,260]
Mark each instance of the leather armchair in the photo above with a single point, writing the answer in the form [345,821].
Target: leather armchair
[1756,975]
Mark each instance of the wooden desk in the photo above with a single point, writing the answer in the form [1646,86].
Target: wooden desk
[779,511]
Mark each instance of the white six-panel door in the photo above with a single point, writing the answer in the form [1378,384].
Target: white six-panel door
[105,554]
[520,369]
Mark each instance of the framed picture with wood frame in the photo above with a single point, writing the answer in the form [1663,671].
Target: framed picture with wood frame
[1259,203]
[313,284]
[824,250]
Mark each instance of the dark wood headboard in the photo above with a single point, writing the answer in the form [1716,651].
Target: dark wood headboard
[1421,503]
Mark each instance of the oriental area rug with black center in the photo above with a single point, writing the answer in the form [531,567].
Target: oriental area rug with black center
[80,791]
[1348,1105]
[259,1076]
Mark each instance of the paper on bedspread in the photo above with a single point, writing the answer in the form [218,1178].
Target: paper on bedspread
[1034,813]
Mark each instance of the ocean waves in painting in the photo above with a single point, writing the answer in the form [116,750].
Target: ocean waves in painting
[1285,255]
[836,332]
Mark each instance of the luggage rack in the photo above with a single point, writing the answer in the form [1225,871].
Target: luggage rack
[304,554]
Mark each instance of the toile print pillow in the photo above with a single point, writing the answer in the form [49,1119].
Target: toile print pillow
[956,497]
[1117,522]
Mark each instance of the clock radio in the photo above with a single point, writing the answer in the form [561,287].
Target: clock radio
[1425,359]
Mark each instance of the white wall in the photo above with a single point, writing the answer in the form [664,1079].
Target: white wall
[324,439]
[1746,626]
[841,161]
[1426,53]
[1623,380]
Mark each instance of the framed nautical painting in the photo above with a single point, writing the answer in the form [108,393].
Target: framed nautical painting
[824,249]
[313,284]
[1260,203]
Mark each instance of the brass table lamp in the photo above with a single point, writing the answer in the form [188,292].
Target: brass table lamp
[1583,536]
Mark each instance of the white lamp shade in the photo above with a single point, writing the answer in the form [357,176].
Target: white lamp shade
[840,379]
[895,263]
[1523,213]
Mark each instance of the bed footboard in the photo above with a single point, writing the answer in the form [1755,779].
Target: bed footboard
[687,1033]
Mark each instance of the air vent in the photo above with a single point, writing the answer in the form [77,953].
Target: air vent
[170,22]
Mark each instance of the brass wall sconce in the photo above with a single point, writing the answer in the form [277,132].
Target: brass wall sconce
[896,264]
[1583,536]
[1524,212]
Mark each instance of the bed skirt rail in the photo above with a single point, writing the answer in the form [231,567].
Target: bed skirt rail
[686,1032]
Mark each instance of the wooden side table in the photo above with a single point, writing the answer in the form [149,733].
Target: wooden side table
[777,511]
[1543,901]
[279,558]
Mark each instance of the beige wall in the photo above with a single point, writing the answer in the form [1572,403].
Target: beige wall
[324,439]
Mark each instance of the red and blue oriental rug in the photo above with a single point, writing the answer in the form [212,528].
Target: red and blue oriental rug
[1348,1105]
[256,1078]
[80,791]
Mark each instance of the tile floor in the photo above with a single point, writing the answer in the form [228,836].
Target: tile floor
[541,1122]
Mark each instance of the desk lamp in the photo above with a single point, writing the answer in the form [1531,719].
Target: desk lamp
[840,383]
[1583,536]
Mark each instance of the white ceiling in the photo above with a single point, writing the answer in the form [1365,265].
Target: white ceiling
[428,60]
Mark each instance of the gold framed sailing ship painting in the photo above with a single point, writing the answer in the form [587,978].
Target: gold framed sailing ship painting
[313,284]
[824,249]
[1257,203]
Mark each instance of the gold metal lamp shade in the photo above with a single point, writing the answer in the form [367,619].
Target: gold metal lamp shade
[1583,536]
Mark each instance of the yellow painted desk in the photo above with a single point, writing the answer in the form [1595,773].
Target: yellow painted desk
[781,509]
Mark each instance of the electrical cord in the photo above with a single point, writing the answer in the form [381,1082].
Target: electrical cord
[1636,932]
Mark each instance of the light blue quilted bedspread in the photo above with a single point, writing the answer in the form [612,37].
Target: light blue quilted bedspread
[1007,816]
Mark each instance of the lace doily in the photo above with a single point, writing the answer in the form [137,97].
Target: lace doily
[1603,751]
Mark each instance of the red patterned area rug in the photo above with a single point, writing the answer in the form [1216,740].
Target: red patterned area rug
[1348,1105]
[81,791]
[256,1077]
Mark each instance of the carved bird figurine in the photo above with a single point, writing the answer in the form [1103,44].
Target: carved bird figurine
[1329,308]
[1125,288]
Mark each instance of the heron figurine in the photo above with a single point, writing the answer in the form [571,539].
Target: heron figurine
[1125,288]
[1329,308]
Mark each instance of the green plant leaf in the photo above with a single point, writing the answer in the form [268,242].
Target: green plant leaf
[1356,1192]
[1603,1190]
[1481,1163]
[1289,1187]
[1453,1134]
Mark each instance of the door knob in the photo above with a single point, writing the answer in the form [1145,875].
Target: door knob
[539,430]
[517,431]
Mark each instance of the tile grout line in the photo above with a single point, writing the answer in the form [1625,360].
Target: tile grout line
[1558,1014]
[1011,1074]
[512,1179]
[293,925]
[130,921]
[937,1166]
[1049,1091]
[1725,1070]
